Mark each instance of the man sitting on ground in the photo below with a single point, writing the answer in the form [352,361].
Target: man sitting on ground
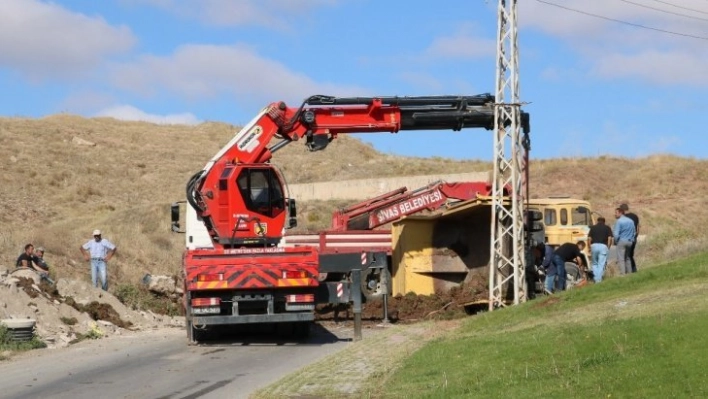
[29,260]
[39,259]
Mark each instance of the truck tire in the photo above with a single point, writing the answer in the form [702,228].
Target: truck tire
[195,335]
[301,330]
[295,330]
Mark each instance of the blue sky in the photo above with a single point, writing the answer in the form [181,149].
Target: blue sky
[594,86]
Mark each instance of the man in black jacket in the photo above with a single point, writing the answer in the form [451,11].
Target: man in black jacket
[568,252]
[26,259]
[30,260]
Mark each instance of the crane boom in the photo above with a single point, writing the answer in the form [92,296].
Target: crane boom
[241,197]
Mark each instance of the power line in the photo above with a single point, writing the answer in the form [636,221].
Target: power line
[662,10]
[681,7]
[624,22]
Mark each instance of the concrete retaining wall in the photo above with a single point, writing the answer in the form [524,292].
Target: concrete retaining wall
[367,188]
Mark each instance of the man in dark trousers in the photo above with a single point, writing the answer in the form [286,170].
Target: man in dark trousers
[542,255]
[568,252]
[635,219]
[600,241]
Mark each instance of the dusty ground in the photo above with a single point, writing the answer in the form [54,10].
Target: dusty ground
[361,368]
[405,309]
[71,310]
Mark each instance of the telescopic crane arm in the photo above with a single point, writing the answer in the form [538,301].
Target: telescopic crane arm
[321,118]
[318,120]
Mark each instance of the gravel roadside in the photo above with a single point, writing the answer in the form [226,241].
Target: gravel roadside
[362,367]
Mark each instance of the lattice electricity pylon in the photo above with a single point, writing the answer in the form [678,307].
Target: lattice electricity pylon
[507,260]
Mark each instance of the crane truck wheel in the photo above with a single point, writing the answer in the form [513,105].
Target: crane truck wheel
[301,330]
[298,330]
[195,334]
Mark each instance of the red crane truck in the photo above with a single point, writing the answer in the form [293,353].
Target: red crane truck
[235,270]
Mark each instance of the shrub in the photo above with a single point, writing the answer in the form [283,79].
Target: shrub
[7,344]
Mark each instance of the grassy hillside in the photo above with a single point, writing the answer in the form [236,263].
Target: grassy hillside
[640,336]
[56,190]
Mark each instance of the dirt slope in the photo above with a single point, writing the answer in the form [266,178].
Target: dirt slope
[65,175]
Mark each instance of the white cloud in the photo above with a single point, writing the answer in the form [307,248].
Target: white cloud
[461,45]
[613,50]
[277,14]
[41,40]
[422,80]
[85,102]
[206,71]
[664,67]
[663,145]
[130,113]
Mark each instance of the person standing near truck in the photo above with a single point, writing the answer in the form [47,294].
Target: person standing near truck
[600,240]
[98,251]
[635,219]
[544,262]
[624,235]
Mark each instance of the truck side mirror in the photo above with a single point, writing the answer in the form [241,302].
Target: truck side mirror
[533,220]
[292,213]
[174,216]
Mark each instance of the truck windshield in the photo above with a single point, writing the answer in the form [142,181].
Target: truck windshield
[261,191]
[581,216]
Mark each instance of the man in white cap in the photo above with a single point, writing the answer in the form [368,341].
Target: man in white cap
[98,251]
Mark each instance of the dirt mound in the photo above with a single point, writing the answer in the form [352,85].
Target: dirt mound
[458,302]
[71,310]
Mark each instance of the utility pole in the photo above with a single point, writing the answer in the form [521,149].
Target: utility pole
[507,259]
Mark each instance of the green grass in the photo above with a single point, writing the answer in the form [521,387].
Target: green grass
[639,336]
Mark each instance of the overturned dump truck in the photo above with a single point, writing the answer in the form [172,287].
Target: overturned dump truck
[435,252]
[432,253]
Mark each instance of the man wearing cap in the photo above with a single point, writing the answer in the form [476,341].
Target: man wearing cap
[98,251]
[38,258]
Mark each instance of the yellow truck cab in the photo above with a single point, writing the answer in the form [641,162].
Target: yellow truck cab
[565,219]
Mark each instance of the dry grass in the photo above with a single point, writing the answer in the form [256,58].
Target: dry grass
[55,192]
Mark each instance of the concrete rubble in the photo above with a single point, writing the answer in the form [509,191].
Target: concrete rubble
[58,323]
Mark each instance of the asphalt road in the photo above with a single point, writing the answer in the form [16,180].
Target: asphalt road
[159,364]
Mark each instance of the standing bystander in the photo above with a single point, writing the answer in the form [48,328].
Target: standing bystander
[545,252]
[600,240]
[635,219]
[624,234]
[98,251]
